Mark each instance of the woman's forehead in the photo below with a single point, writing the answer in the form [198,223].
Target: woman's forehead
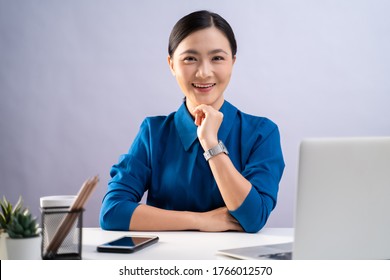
[204,41]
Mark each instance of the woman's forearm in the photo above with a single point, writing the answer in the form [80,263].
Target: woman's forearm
[148,218]
[233,186]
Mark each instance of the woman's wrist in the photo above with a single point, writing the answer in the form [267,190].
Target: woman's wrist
[207,144]
[194,219]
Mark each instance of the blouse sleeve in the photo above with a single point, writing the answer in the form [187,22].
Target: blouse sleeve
[129,180]
[264,167]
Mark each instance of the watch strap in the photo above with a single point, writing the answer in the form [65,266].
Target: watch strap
[216,150]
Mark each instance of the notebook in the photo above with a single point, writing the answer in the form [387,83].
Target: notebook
[342,204]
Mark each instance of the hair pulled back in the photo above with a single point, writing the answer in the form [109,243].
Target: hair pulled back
[197,21]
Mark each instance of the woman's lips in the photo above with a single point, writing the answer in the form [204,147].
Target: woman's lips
[203,87]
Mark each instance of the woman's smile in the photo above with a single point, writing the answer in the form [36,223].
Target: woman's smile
[203,87]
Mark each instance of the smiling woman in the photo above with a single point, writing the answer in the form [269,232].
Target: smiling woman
[202,50]
[202,64]
[208,166]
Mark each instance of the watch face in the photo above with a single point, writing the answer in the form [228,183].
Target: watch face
[220,148]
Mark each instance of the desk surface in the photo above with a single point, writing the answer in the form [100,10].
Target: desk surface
[185,245]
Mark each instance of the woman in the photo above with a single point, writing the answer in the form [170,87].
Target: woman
[208,166]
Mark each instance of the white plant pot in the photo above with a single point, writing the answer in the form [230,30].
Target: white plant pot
[3,246]
[24,248]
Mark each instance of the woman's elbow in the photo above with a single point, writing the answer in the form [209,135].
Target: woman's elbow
[254,227]
[105,222]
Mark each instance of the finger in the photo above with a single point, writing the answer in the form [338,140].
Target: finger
[202,108]
[199,117]
[197,120]
[239,228]
[233,220]
[236,225]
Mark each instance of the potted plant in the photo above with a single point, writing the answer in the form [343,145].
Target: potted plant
[7,210]
[24,240]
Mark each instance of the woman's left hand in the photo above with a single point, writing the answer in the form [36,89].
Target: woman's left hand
[208,121]
[217,220]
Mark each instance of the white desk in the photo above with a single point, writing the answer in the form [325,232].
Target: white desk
[182,245]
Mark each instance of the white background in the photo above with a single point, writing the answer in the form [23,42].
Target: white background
[78,77]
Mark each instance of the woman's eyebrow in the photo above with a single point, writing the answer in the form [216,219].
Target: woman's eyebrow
[217,51]
[191,51]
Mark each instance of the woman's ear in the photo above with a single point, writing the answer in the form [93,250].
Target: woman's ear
[234,59]
[170,63]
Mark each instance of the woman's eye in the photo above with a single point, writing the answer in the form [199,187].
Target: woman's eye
[218,58]
[189,59]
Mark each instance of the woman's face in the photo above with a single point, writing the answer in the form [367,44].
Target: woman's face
[202,65]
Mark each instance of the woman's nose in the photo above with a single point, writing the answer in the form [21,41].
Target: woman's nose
[204,70]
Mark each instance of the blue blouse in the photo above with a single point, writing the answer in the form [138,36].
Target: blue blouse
[166,159]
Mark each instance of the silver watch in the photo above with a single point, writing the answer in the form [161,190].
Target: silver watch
[220,148]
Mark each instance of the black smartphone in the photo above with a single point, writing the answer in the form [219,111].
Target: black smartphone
[127,244]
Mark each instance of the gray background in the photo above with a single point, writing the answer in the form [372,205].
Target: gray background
[78,77]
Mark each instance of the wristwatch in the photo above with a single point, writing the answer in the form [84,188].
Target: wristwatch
[220,148]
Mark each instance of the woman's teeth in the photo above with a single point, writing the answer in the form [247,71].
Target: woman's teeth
[203,85]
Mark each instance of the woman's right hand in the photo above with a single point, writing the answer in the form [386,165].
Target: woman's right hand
[218,220]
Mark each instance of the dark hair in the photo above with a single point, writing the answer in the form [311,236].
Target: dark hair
[197,21]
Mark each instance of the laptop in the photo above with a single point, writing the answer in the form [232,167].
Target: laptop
[342,204]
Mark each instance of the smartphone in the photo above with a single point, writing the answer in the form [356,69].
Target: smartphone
[127,244]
